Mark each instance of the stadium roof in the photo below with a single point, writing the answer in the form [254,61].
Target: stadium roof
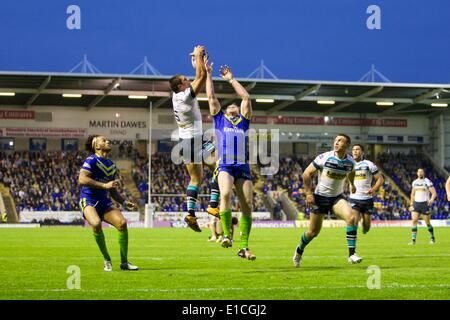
[109,90]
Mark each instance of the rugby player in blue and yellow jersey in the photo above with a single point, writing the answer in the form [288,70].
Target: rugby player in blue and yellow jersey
[233,168]
[99,179]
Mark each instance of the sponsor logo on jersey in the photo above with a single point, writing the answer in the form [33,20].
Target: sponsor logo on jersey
[234,130]
[335,175]
[360,176]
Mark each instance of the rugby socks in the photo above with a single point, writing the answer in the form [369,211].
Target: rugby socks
[351,239]
[214,199]
[225,219]
[123,244]
[100,239]
[431,231]
[414,234]
[303,243]
[245,226]
[192,194]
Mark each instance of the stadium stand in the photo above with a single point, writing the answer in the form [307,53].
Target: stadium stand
[389,203]
[43,181]
[170,180]
[402,168]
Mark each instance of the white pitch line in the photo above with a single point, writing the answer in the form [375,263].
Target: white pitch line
[212,257]
[389,286]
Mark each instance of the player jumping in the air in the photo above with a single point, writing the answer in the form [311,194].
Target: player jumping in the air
[421,203]
[231,132]
[189,121]
[334,167]
[366,172]
[99,180]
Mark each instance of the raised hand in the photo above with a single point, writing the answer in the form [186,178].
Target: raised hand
[208,66]
[199,51]
[225,72]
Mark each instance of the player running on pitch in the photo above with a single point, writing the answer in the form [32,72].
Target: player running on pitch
[231,127]
[333,167]
[189,120]
[361,201]
[98,178]
[421,203]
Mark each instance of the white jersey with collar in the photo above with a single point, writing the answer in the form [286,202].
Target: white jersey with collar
[421,186]
[187,114]
[365,170]
[332,173]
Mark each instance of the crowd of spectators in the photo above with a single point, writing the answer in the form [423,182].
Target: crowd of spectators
[169,182]
[402,168]
[43,181]
[388,203]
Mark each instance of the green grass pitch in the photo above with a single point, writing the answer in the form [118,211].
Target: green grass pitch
[181,264]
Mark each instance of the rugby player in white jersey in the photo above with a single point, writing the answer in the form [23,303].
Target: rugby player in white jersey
[333,168]
[367,182]
[421,202]
[189,120]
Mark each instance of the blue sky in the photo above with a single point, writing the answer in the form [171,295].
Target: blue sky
[302,39]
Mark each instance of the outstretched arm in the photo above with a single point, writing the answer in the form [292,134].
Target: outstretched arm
[200,72]
[214,104]
[246,104]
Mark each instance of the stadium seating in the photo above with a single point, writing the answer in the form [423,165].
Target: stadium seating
[388,203]
[44,181]
[402,168]
[171,179]
[41,181]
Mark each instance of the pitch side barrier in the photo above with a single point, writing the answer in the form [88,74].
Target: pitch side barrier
[376,223]
[176,220]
